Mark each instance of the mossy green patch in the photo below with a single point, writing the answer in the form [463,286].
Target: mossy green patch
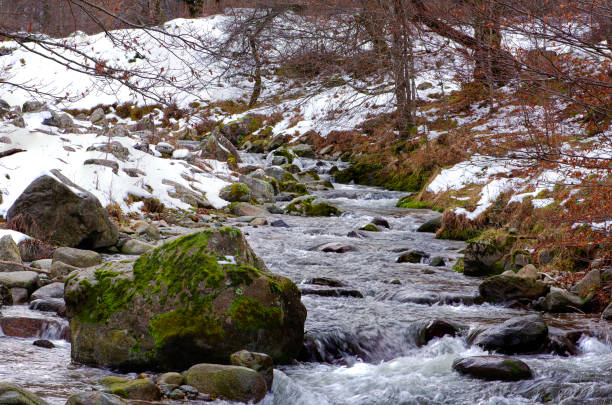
[249,313]
[311,207]
[284,152]
[370,228]
[458,266]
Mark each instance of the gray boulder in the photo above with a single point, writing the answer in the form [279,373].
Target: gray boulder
[218,147]
[53,290]
[53,212]
[95,398]
[560,300]
[524,334]
[98,117]
[9,251]
[20,279]
[136,247]
[61,269]
[231,383]
[260,189]
[507,287]
[33,106]
[77,257]
[493,368]
[63,121]
[590,282]
[49,305]
[142,389]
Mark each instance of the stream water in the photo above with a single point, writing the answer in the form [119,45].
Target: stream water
[366,346]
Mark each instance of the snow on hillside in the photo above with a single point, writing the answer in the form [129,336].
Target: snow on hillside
[155,177]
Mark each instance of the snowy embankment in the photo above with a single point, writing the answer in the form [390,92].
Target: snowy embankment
[67,153]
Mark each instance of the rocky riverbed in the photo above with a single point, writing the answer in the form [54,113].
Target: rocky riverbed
[388,319]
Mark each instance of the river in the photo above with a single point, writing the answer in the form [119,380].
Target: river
[366,347]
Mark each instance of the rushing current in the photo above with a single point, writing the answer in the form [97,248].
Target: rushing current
[363,351]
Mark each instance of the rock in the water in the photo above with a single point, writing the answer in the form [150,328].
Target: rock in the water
[8,250]
[437,261]
[11,394]
[184,302]
[231,383]
[29,327]
[44,343]
[507,287]
[332,292]
[279,223]
[53,290]
[335,247]
[141,388]
[357,234]
[311,206]
[560,300]
[381,222]
[77,257]
[413,256]
[260,189]
[588,283]
[260,362]
[524,334]
[245,209]
[435,328]
[52,211]
[431,226]
[95,398]
[493,368]
[20,279]
[170,379]
[325,281]
[136,247]
[49,305]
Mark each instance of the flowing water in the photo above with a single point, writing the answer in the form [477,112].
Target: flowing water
[364,349]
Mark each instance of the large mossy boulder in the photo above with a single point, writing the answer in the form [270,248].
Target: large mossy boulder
[196,299]
[14,395]
[231,383]
[141,388]
[52,211]
[311,206]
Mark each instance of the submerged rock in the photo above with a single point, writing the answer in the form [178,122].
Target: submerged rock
[198,298]
[493,368]
[231,383]
[52,211]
